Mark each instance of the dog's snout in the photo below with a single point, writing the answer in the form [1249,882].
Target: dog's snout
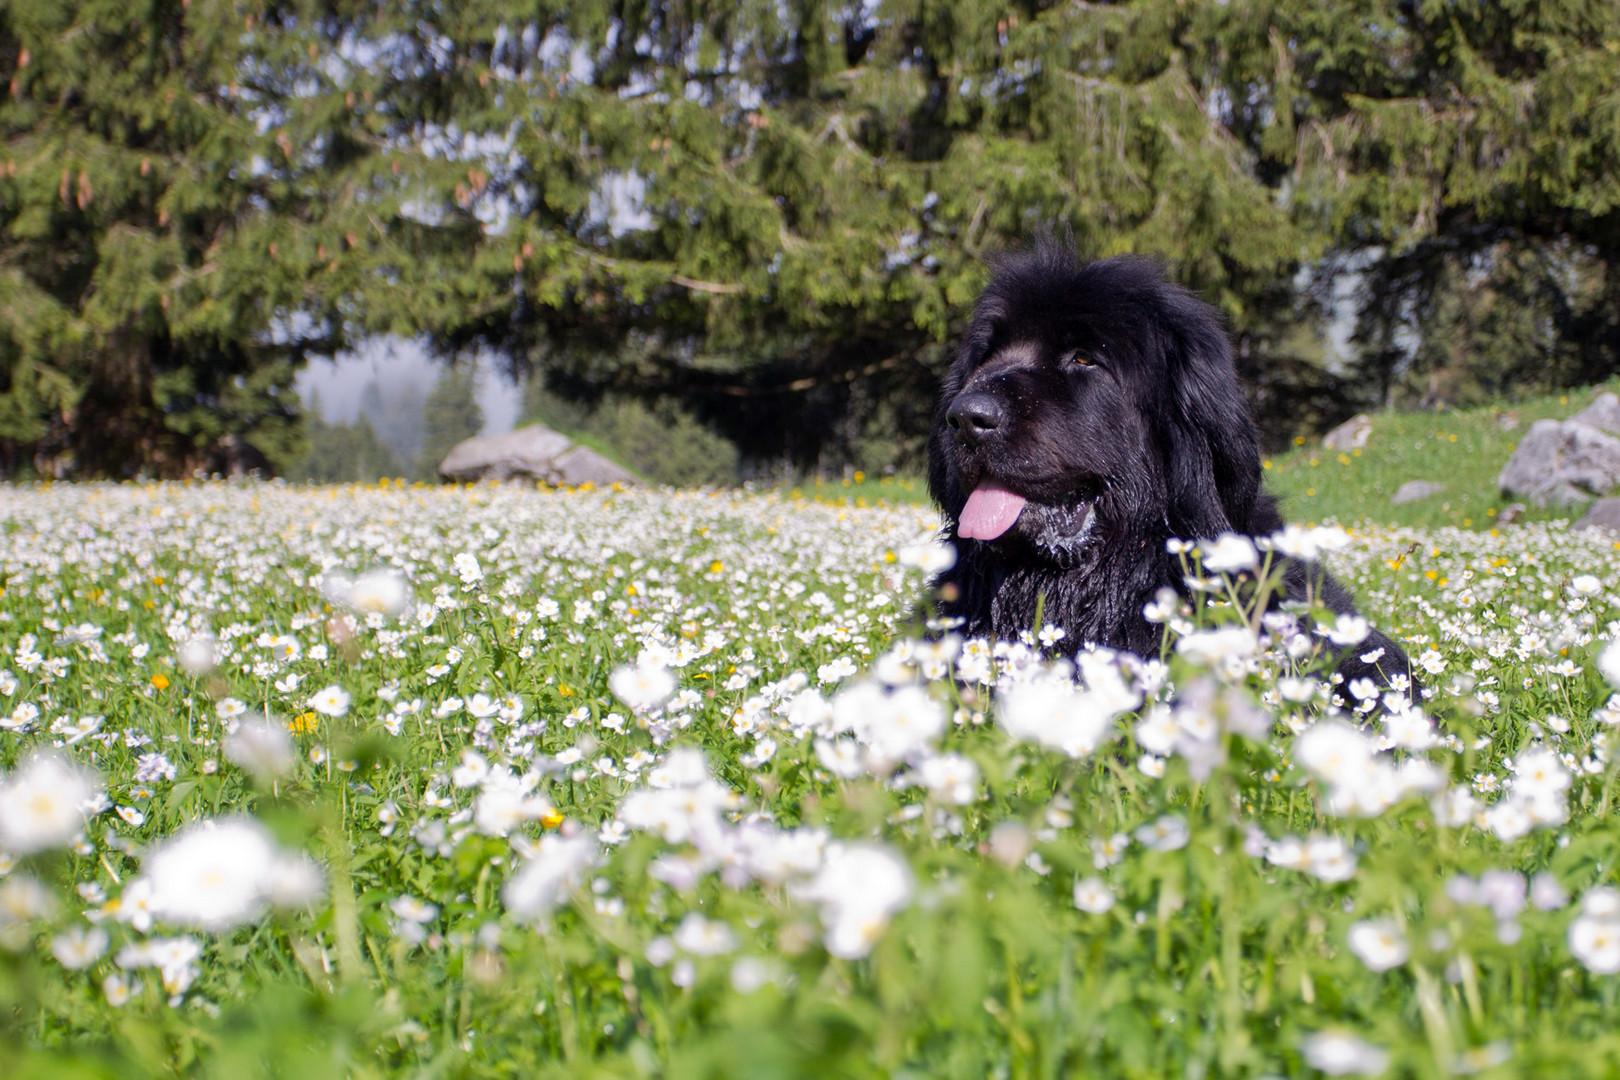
[975,415]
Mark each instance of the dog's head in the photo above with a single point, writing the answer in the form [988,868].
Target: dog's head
[1087,402]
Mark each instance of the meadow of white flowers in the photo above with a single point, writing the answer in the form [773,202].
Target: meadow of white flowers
[491,781]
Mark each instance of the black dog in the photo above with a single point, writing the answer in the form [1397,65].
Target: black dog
[1092,414]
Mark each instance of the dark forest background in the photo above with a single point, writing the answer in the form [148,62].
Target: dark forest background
[754,228]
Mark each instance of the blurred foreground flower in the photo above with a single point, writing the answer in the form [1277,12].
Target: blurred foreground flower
[644,686]
[556,866]
[43,804]
[1609,662]
[859,887]
[383,592]
[219,874]
[262,747]
[1339,1053]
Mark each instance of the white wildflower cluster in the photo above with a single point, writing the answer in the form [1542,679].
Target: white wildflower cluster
[564,642]
[1069,710]
[1358,780]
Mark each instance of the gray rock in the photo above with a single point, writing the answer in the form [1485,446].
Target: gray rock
[1413,490]
[1510,513]
[1603,414]
[1603,514]
[524,451]
[1350,435]
[1507,421]
[1561,462]
[582,465]
[534,452]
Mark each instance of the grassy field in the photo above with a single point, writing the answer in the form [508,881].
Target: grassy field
[473,782]
[1463,449]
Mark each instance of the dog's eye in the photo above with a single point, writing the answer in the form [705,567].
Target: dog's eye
[1076,358]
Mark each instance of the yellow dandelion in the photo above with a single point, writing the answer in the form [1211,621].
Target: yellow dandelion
[551,819]
[160,681]
[303,723]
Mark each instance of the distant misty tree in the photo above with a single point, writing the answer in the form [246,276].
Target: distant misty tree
[450,414]
[397,416]
[343,453]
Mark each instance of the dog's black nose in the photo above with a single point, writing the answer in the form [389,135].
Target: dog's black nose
[974,415]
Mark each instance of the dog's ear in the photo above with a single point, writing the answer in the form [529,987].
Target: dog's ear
[1213,456]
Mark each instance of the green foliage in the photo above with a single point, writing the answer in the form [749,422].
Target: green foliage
[344,453]
[776,215]
[193,198]
[660,442]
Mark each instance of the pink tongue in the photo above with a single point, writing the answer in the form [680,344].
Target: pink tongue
[990,511]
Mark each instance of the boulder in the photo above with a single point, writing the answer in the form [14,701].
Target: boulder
[1603,414]
[1350,435]
[582,465]
[1413,490]
[1561,462]
[1603,514]
[534,452]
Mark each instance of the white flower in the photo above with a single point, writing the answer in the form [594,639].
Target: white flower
[1301,543]
[262,747]
[333,701]
[558,865]
[1229,554]
[950,778]
[900,724]
[412,909]
[212,875]
[382,591]
[1379,943]
[1347,630]
[1168,833]
[506,802]
[473,770]
[859,888]
[197,655]
[931,559]
[1060,717]
[1092,895]
[22,899]
[643,686]
[1595,942]
[841,757]
[1225,649]
[467,568]
[1608,662]
[704,937]
[1546,894]
[42,804]
[1538,772]
[78,947]
[1334,752]
[1330,858]
[1338,1053]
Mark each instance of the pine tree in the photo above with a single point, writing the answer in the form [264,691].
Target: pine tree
[193,198]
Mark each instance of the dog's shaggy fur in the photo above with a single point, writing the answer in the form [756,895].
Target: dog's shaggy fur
[1092,414]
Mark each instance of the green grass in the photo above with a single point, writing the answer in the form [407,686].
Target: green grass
[1463,449]
[862,490]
